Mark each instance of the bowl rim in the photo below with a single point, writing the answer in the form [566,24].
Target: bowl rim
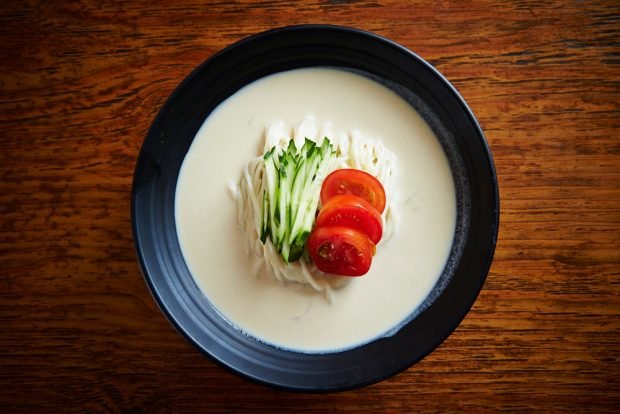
[258,375]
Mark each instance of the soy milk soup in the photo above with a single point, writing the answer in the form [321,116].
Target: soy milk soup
[403,271]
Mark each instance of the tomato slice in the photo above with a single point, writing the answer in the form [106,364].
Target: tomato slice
[354,182]
[352,212]
[340,250]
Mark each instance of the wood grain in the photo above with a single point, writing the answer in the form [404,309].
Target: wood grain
[80,83]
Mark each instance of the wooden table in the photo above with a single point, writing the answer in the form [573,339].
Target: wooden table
[80,83]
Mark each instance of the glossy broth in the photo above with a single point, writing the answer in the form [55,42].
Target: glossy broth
[404,270]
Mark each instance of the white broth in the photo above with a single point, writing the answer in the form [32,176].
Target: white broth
[403,271]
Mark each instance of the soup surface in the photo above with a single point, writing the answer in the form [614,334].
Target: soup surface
[404,270]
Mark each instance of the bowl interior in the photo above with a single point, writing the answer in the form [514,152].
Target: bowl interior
[171,135]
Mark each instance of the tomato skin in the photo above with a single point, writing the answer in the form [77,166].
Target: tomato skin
[352,212]
[340,250]
[354,182]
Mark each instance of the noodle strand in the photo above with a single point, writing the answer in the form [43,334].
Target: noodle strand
[352,151]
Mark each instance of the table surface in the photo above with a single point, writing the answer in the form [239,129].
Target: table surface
[80,83]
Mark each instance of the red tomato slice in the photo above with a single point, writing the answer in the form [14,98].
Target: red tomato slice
[354,182]
[340,250]
[352,212]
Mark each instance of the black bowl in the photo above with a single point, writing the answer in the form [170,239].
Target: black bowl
[171,135]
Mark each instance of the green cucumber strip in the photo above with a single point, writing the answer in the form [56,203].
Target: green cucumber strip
[291,194]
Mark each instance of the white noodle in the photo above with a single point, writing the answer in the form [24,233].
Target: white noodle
[352,151]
